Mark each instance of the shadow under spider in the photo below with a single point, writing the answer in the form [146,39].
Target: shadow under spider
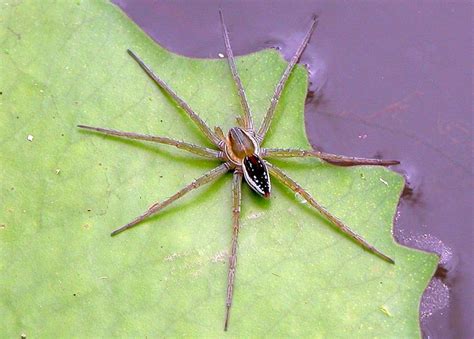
[240,151]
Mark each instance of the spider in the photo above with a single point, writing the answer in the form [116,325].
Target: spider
[240,152]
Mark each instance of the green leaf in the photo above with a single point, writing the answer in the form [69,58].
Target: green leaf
[63,190]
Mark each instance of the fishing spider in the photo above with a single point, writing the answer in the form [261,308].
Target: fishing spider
[241,152]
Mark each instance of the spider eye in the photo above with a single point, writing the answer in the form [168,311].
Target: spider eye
[256,175]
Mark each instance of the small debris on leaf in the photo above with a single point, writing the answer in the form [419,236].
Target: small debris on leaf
[384,310]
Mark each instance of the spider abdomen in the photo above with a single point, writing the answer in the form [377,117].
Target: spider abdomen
[256,175]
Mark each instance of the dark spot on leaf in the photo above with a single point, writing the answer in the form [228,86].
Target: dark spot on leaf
[2,226]
[88,210]
[74,294]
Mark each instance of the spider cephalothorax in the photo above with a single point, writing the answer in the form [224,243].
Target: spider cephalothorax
[241,153]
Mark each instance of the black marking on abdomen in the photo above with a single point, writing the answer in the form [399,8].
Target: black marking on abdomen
[256,175]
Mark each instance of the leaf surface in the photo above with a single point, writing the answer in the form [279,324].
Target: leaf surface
[63,190]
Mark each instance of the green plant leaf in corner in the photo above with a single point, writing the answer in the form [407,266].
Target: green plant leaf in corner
[63,190]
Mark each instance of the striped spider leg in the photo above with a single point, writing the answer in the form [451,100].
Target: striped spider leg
[334,159]
[196,149]
[295,187]
[247,122]
[281,84]
[236,202]
[158,206]
[193,115]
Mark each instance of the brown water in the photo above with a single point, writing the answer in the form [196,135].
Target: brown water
[389,79]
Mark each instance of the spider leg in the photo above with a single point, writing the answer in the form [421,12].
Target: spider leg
[158,206]
[196,118]
[335,159]
[196,149]
[248,123]
[295,187]
[236,201]
[281,84]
